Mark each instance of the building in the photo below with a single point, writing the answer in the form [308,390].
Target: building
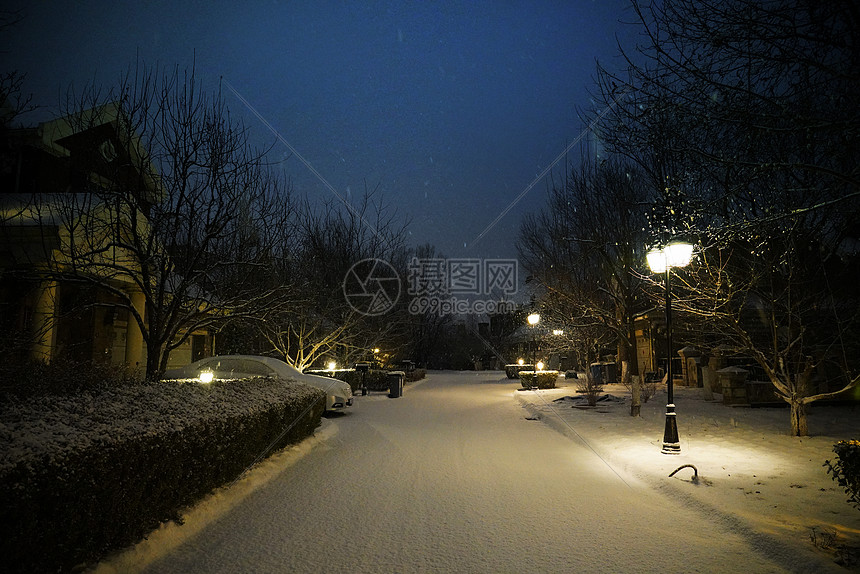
[66,289]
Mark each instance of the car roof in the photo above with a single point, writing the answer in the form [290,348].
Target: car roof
[270,361]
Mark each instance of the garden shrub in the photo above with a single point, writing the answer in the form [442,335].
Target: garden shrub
[590,387]
[415,375]
[375,380]
[846,469]
[60,378]
[110,466]
[545,379]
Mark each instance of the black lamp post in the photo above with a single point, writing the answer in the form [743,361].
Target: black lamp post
[534,319]
[675,254]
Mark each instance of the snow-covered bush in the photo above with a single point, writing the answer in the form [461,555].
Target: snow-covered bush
[544,380]
[83,474]
[415,375]
[37,378]
[590,387]
[846,469]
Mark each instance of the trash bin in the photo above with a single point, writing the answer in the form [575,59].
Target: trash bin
[395,383]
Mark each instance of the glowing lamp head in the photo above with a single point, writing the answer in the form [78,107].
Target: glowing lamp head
[539,366]
[675,254]
[534,319]
[522,362]
[331,365]
[657,261]
[678,254]
[206,376]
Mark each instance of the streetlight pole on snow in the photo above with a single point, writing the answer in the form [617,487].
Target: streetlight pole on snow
[534,319]
[675,254]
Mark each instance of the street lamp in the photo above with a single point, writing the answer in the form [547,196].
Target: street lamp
[675,254]
[534,319]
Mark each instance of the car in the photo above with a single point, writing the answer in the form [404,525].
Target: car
[338,393]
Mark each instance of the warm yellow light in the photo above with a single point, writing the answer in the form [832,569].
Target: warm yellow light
[376,350]
[206,376]
[656,260]
[521,362]
[678,254]
[675,254]
[539,366]
[331,365]
[557,332]
[534,318]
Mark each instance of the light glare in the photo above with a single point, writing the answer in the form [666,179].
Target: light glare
[657,261]
[678,254]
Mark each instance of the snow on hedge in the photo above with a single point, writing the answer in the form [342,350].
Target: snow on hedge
[54,426]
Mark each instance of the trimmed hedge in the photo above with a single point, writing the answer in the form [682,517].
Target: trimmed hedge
[846,469]
[375,380]
[85,475]
[545,379]
[415,375]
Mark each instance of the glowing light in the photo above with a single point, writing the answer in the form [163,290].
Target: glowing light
[557,332]
[678,254]
[331,365]
[656,261]
[540,366]
[206,376]
[675,254]
[534,319]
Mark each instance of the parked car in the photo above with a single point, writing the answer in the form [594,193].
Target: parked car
[338,393]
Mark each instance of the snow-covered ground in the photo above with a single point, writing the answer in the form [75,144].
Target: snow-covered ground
[751,472]
[470,479]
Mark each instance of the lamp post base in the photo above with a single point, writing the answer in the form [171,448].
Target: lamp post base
[671,443]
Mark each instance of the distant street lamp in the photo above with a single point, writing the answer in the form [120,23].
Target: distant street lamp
[534,319]
[675,254]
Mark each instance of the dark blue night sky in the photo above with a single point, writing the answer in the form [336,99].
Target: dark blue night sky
[450,109]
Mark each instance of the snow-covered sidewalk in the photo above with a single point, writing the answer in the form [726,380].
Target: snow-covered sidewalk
[751,474]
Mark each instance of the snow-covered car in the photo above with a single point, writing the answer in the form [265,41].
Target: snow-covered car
[338,393]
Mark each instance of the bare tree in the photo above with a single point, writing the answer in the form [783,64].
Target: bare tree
[744,114]
[583,249]
[169,208]
[791,302]
[321,321]
[737,91]
[426,328]
[14,101]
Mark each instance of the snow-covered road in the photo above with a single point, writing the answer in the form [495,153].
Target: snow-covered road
[451,477]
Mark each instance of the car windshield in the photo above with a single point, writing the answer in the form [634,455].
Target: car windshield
[244,366]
